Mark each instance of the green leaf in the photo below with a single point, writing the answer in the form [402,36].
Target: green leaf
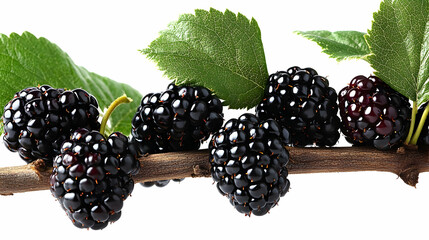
[340,45]
[220,51]
[399,42]
[29,61]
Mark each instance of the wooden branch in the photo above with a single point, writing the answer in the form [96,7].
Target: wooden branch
[407,164]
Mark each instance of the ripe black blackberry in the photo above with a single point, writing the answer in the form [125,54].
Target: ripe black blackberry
[38,119]
[302,101]
[92,177]
[248,162]
[373,114]
[177,119]
[424,134]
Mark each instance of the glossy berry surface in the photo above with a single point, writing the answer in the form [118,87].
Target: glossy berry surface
[93,176]
[373,114]
[302,101]
[161,183]
[248,163]
[38,119]
[178,119]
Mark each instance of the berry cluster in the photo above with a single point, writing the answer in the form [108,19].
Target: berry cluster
[92,177]
[38,119]
[248,160]
[373,114]
[302,101]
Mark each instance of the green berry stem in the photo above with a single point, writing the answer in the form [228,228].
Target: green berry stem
[113,105]
[420,126]
[1,126]
[413,123]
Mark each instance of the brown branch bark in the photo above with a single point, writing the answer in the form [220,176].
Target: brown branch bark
[407,164]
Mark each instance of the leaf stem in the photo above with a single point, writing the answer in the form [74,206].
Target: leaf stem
[113,105]
[420,126]
[413,123]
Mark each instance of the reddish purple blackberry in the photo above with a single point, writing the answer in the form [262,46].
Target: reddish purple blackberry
[302,101]
[177,119]
[373,114]
[424,134]
[92,177]
[248,162]
[38,119]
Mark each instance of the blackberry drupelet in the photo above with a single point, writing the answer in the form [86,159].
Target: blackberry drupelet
[38,119]
[92,177]
[302,101]
[424,134]
[178,119]
[373,114]
[248,162]
[161,183]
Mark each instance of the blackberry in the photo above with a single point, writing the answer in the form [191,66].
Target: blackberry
[38,119]
[177,119]
[302,101]
[373,114]
[92,177]
[424,134]
[248,162]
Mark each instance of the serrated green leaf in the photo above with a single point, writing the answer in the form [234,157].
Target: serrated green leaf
[29,61]
[399,42]
[340,45]
[220,51]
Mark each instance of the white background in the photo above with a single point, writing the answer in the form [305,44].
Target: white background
[104,37]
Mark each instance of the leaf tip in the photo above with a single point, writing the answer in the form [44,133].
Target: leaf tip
[199,12]
[144,51]
[148,52]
